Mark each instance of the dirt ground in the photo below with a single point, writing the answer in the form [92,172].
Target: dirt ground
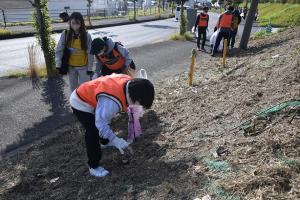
[193,143]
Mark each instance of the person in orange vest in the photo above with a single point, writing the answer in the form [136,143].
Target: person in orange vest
[236,21]
[96,102]
[112,57]
[225,25]
[202,24]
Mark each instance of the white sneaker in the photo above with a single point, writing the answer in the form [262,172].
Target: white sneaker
[98,172]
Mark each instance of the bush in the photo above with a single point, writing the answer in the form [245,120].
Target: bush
[260,35]
[4,32]
[41,73]
[186,37]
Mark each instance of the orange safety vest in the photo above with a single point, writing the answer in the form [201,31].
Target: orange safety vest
[111,86]
[226,21]
[115,63]
[203,21]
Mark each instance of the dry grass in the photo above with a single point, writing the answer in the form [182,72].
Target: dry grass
[33,69]
[34,72]
[4,32]
[186,37]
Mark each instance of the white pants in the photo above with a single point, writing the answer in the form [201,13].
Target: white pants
[77,76]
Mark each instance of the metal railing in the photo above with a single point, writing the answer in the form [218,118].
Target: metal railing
[23,16]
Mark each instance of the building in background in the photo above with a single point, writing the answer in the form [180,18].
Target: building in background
[100,7]
[20,10]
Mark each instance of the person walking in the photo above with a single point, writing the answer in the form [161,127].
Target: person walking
[202,25]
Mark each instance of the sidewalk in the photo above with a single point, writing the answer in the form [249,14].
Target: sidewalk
[27,30]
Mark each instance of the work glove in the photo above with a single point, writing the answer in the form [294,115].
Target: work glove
[89,73]
[120,144]
[193,29]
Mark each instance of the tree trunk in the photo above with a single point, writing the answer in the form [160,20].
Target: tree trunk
[248,24]
[159,3]
[89,15]
[45,42]
[134,11]
[125,7]
[182,19]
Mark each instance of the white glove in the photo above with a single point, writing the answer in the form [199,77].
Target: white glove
[120,144]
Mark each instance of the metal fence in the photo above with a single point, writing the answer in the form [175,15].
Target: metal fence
[23,15]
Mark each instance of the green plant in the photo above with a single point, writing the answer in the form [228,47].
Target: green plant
[41,72]
[260,35]
[290,162]
[222,166]
[183,20]
[281,15]
[186,36]
[42,25]
[4,32]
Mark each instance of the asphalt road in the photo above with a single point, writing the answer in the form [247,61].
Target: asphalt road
[13,52]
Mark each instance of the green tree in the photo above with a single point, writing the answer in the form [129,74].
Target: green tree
[42,25]
[183,21]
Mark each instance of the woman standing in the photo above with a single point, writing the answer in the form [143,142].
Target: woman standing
[78,42]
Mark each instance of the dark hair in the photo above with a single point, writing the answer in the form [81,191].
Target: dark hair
[231,8]
[141,90]
[82,31]
[64,16]
[205,8]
